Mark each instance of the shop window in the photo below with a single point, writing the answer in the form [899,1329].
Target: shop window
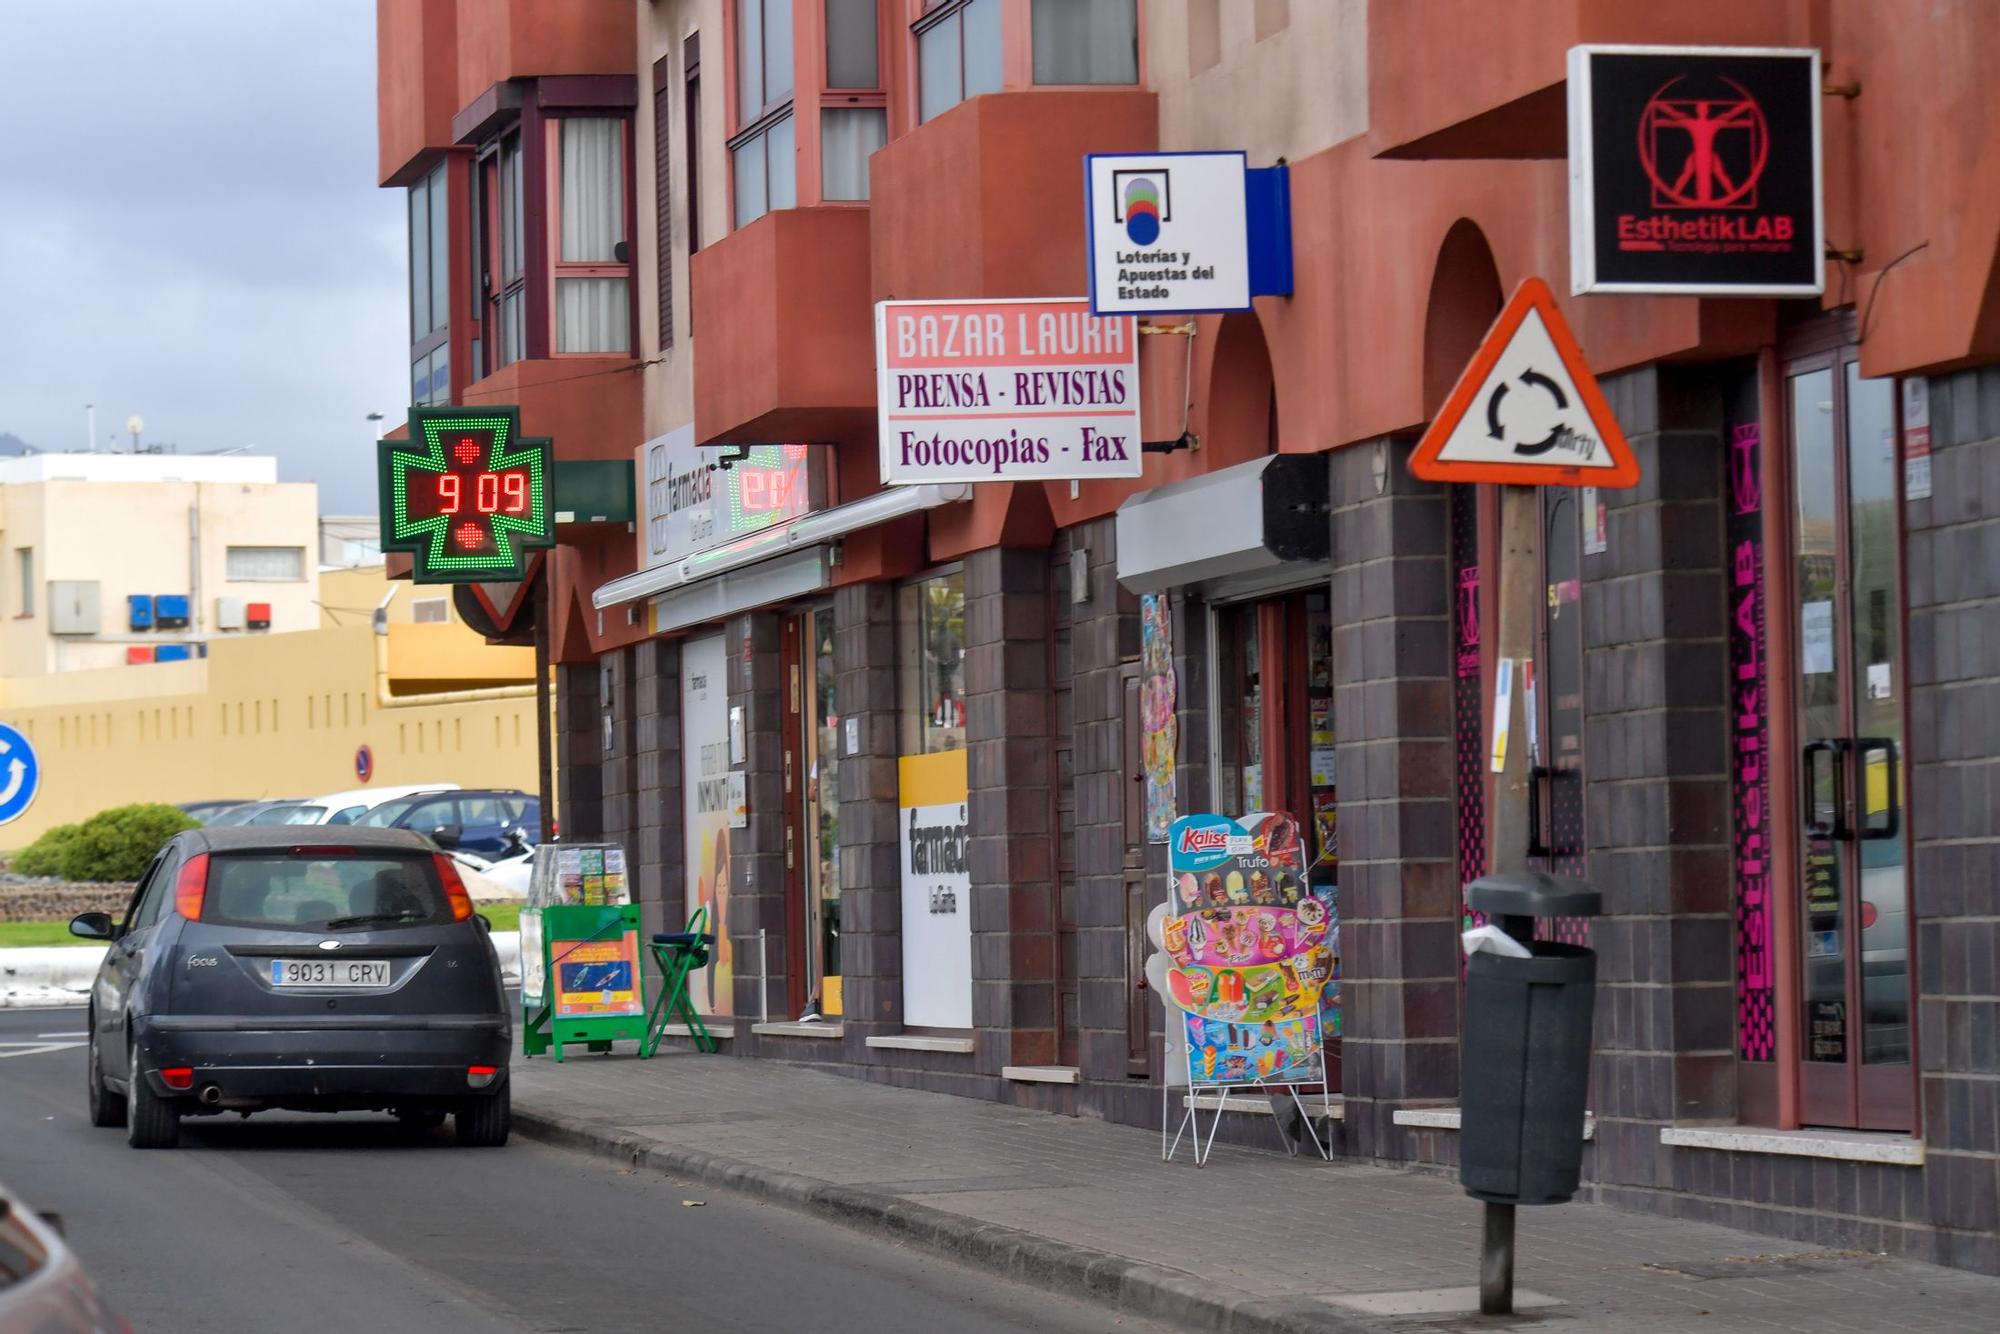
[930,616]
[593,274]
[1086,41]
[430,281]
[958,54]
[763,152]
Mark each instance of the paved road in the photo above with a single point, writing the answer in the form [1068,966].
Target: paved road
[352,1223]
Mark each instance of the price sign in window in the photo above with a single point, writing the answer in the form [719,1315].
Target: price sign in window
[466,495]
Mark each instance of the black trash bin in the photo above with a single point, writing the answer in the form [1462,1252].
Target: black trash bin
[1525,1069]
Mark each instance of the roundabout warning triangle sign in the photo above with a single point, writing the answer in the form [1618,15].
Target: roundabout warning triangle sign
[1527,410]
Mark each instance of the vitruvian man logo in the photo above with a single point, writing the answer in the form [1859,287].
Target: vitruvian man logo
[1703,152]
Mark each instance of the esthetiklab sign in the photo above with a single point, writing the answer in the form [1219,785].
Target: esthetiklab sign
[1005,391]
[1695,171]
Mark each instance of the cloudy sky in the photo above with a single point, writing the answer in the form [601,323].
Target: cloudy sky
[190,231]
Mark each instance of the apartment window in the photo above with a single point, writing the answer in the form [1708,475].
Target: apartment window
[266,564]
[958,54]
[430,283]
[1086,41]
[854,113]
[24,563]
[763,154]
[429,611]
[509,327]
[593,272]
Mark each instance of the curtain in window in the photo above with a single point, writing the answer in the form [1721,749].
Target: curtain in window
[593,190]
[266,564]
[847,135]
[440,248]
[592,315]
[982,47]
[939,86]
[420,260]
[1084,41]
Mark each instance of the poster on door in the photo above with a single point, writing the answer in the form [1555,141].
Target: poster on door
[1250,955]
[706,805]
[937,890]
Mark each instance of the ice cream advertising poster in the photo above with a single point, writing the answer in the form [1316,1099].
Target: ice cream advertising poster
[705,792]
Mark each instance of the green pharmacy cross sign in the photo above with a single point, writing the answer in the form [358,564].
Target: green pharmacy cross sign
[466,495]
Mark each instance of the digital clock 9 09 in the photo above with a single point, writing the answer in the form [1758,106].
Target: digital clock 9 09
[466,495]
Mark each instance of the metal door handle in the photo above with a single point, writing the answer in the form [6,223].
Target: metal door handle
[1809,763]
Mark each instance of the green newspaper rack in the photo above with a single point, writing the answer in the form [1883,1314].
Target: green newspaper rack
[582,980]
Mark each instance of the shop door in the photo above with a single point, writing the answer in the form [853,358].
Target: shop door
[792,740]
[1847,614]
[812,804]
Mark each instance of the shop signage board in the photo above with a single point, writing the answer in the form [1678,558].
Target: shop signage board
[1696,171]
[1005,391]
[937,890]
[466,495]
[693,503]
[582,983]
[1527,410]
[1181,233]
[1249,957]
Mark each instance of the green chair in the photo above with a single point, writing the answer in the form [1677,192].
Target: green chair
[677,954]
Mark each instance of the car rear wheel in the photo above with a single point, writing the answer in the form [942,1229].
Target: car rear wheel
[151,1121]
[106,1108]
[482,1123]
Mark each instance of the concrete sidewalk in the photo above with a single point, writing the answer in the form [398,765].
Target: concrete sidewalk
[1252,1242]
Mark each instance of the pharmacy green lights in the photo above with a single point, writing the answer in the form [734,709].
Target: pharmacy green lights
[466,495]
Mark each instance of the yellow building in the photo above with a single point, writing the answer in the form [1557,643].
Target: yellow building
[284,715]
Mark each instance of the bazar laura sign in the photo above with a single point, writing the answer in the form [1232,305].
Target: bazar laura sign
[1005,391]
[1695,171]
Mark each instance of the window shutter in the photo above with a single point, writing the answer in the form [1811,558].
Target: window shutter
[663,194]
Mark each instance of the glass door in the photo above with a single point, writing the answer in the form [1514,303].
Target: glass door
[1848,615]
[821,739]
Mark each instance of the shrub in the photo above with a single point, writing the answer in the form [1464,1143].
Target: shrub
[111,845]
[44,855]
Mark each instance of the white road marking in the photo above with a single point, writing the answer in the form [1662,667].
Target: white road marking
[80,1033]
[8,1049]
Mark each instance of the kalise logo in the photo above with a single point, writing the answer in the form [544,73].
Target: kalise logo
[1703,152]
[1212,839]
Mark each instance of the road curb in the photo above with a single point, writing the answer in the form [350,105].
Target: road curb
[1134,1286]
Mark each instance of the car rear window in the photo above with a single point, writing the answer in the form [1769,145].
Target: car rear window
[385,815]
[292,889]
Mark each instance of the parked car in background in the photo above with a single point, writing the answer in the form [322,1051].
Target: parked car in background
[251,812]
[42,1287]
[205,811]
[318,970]
[477,820]
[347,807]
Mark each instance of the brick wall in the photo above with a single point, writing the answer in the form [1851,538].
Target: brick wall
[656,847]
[1953,658]
[579,779]
[1399,890]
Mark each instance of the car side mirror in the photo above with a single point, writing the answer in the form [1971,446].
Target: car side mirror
[447,835]
[93,926]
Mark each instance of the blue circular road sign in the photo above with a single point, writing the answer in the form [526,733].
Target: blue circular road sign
[20,774]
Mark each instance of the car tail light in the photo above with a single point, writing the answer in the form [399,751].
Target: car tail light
[177,1076]
[191,886]
[479,1076]
[454,888]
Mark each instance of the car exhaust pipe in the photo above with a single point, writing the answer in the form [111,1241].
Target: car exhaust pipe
[211,1095]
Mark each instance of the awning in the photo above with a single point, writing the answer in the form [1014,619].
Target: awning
[788,538]
[1244,520]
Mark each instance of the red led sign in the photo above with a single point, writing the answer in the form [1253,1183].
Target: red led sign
[466,495]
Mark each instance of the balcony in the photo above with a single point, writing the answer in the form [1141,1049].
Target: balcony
[590,406]
[784,334]
[432,657]
[987,199]
[1472,79]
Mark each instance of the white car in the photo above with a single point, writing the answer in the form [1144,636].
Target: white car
[42,1287]
[347,807]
